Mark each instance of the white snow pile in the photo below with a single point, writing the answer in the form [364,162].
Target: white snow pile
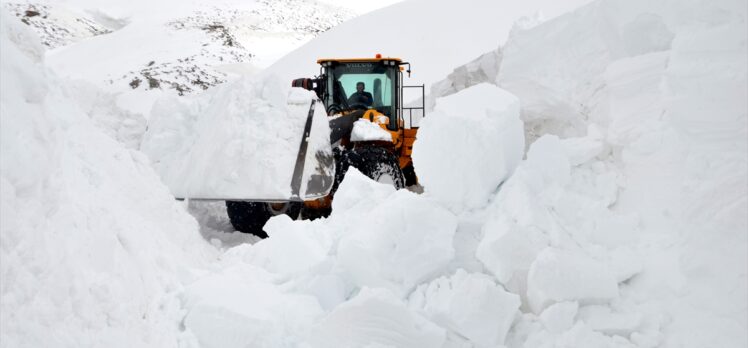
[240,140]
[469,304]
[92,247]
[365,130]
[332,282]
[653,197]
[469,145]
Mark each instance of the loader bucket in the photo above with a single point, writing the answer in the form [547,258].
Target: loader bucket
[272,148]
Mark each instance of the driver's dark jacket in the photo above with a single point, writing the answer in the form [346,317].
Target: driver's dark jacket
[361,98]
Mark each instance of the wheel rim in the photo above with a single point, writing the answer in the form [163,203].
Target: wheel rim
[278,208]
[386,178]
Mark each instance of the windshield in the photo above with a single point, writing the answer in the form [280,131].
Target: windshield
[375,84]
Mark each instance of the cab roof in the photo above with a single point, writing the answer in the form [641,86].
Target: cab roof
[376,59]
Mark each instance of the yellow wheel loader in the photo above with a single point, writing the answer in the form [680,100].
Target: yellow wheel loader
[352,91]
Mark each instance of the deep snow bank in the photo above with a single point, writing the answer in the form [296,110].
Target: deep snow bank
[655,190]
[93,247]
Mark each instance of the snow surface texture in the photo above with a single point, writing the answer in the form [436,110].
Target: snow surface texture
[625,225]
[196,144]
[94,248]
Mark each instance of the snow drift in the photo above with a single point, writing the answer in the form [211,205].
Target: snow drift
[93,246]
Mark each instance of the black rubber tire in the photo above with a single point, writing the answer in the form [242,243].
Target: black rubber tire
[375,162]
[410,175]
[250,217]
[334,109]
[372,161]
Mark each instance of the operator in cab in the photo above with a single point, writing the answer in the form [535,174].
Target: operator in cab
[360,96]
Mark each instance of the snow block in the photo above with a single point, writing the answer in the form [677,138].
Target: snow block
[519,224]
[507,250]
[563,275]
[559,317]
[471,304]
[375,317]
[396,244]
[293,247]
[243,304]
[238,141]
[605,320]
[356,195]
[583,149]
[477,131]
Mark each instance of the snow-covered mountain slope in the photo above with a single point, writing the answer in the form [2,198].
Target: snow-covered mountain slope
[435,36]
[94,247]
[143,50]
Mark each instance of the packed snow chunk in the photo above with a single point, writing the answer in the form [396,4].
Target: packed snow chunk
[605,320]
[470,304]
[583,149]
[559,317]
[375,318]
[624,262]
[365,130]
[564,275]
[293,247]
[519,222]
[396,244]
[547,167]
[240,141]
[508,249]
[476,131]
[243,305]
[556,68]
[357,193]
[578,336]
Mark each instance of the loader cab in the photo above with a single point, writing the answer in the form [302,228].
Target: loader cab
[381,76]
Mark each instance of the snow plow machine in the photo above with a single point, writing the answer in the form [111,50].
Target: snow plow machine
[370,129]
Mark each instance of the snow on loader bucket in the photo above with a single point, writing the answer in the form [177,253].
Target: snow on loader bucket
[250,142]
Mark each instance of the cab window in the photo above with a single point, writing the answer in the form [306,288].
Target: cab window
[378,80]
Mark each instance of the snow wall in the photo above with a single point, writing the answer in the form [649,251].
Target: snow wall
[94,248]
